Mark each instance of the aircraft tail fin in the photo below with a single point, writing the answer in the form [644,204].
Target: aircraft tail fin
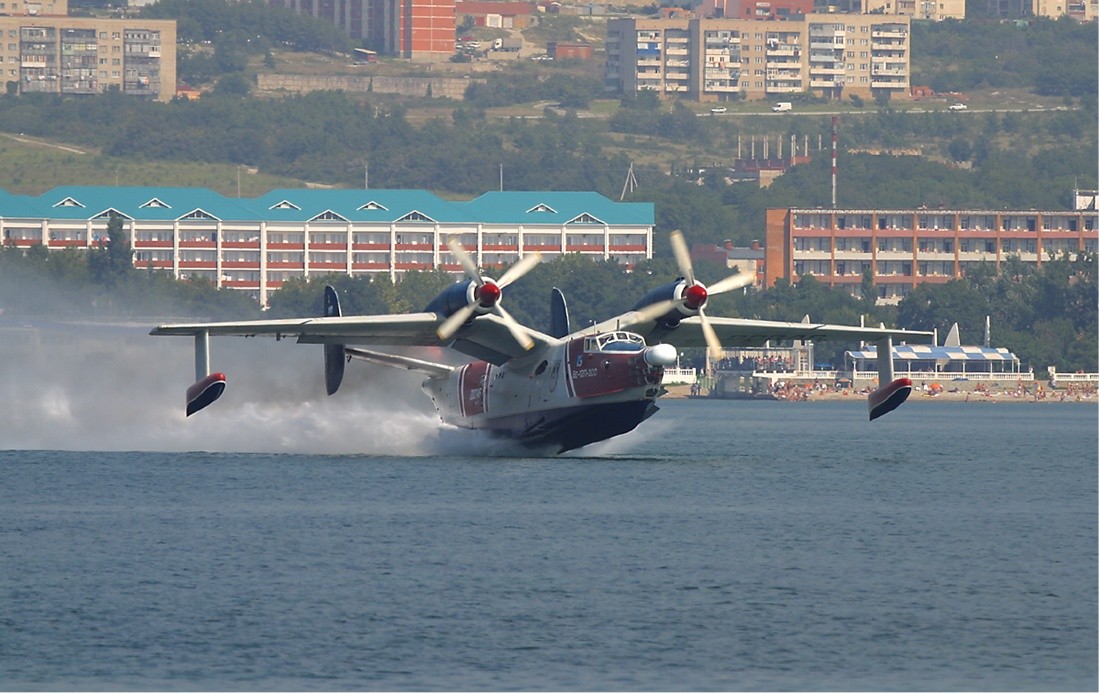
[333,353]
[559,314]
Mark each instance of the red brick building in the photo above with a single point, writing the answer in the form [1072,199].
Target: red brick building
[562,50]
[413,29]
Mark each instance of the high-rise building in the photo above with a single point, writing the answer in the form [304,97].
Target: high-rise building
[414,29]
[830,55]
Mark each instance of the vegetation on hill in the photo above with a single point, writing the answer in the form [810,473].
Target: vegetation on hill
[1053,58]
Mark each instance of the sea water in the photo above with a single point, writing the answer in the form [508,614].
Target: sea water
[722,545]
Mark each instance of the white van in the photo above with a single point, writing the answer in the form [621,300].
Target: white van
[717,110]
[782,106]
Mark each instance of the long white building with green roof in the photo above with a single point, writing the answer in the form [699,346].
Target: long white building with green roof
[255,244]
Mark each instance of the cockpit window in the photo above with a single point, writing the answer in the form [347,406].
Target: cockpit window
[615,341]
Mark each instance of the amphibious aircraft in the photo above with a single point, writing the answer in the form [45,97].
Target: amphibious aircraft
[560,389]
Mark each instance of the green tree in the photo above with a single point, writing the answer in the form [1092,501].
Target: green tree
[111,262]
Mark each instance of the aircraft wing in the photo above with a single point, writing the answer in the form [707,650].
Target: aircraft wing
[412,329]
[741,332]
[487,336]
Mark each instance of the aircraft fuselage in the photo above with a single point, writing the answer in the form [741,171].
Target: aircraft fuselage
[580,391]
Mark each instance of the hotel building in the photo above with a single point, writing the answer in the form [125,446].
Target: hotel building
[829,55]
[908,247]
[256,244]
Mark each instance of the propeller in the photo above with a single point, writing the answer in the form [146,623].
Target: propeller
[695,294]
[486,295]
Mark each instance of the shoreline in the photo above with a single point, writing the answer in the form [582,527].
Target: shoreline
[989,397]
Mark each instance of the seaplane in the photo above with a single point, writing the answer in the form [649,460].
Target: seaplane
[558,389]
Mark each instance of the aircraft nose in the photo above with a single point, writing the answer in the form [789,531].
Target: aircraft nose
[661,355]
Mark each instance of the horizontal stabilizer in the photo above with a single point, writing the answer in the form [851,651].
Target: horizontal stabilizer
[886,399]
[205,392]
[430,368]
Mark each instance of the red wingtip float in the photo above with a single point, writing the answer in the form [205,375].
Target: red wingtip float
[886,399]
[205,392]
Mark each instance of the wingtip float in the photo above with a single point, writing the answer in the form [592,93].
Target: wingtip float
[886,399]
[205,392]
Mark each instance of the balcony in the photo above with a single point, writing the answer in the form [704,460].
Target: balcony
[888,46]
[784,51]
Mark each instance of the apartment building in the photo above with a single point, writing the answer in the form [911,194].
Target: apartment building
[754,9]
[34,8]
[828,55]
[421,30]
[908,247]
[256,244]
[931,10]
[84,55]
[1080,10]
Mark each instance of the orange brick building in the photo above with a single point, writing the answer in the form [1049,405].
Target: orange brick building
[413,29]
[904,248]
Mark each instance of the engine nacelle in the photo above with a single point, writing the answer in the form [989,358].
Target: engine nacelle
[690,298]
[465,293]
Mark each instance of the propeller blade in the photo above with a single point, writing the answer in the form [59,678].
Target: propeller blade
[655,310]
[517,332]
[464,259]
[731,283]
[682,256]
[525,264]
[456,320]
[712,342]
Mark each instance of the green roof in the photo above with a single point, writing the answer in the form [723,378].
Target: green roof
[296,204]
[300,205]
[137,202]
[558,208]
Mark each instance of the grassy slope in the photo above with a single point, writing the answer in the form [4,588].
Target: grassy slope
[32,166]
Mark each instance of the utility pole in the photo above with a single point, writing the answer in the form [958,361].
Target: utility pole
[630,185]
[835,138]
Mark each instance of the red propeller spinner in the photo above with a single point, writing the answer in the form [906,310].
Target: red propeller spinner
[694,296]
[488,294]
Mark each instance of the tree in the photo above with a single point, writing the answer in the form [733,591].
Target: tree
[235,84]
[111,263]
